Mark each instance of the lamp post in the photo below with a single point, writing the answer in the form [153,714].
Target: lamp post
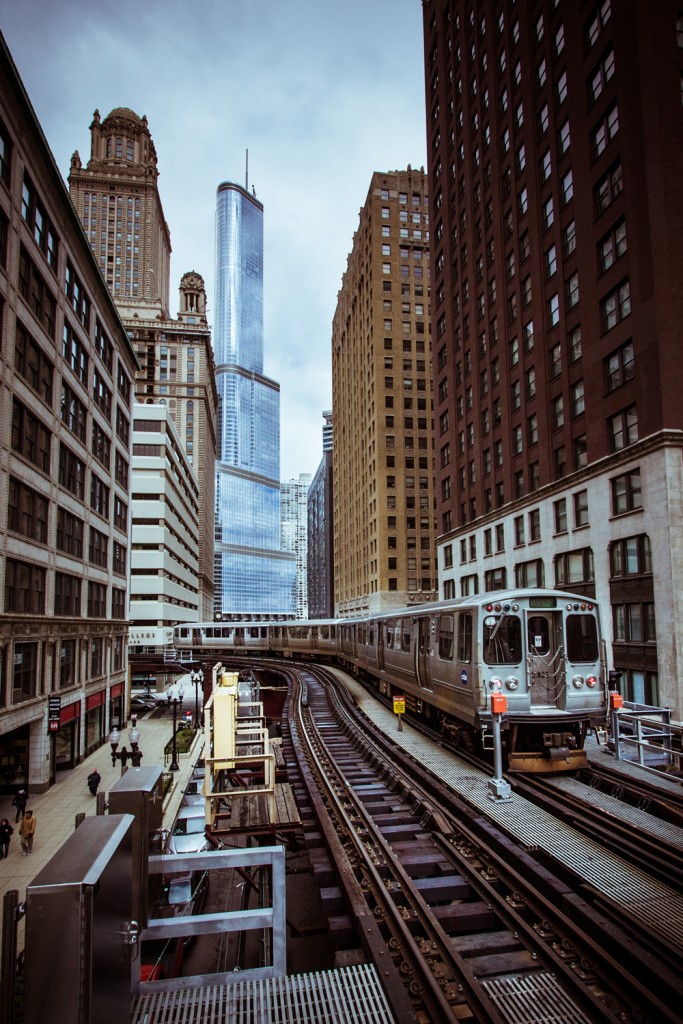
[175,697]
[197,679]
[124,755]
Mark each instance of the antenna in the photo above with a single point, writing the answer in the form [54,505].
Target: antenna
[246,184]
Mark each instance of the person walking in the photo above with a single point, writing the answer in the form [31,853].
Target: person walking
[6,833]
[94,780]
[20,801]
[27,830]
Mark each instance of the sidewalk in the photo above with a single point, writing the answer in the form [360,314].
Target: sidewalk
[56,809]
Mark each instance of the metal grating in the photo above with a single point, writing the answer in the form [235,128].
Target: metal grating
[645,822]
[534,999]
[349,995]
[643,897]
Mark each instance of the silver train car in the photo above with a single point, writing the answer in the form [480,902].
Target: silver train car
[541,649]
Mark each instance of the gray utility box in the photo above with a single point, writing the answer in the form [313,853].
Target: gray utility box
[79,932]
[139,792]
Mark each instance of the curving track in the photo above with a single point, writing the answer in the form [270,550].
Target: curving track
[465,924]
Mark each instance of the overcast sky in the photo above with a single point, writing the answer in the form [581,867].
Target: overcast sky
[321,92]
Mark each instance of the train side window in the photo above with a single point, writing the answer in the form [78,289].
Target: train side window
[405,636]
[538,634]
[446,637]
[582,638]
[502,640]
[465,636]
[389,636]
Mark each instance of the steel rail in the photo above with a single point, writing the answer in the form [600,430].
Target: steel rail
[438,992]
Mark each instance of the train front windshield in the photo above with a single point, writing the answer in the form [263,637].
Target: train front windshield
[502,640]
[582,638]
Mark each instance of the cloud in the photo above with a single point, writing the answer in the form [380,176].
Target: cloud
[321,94]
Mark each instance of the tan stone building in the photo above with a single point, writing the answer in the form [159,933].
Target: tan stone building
[384,529]
[67,368]
[117,198]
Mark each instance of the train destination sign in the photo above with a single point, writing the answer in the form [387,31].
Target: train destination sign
[543,602]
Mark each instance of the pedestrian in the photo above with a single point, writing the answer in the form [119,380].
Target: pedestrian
[20,801]
[6,833]
[94,780]
[27,830]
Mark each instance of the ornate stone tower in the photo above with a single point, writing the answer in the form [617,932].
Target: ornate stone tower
[117,199]
[118,202]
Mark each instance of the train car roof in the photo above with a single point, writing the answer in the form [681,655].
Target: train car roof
[492,597]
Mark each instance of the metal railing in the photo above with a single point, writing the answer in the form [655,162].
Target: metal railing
[646,736]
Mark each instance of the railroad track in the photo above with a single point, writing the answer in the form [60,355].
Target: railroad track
[462,923]
[656,849]
[642,793]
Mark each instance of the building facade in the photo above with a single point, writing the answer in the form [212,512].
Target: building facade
[294,535]
[320,562]
[252,572]
[117,198]
[557,254]
[165,531]
[66,407]
[384,529]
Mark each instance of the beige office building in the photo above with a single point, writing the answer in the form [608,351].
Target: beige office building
[384,529]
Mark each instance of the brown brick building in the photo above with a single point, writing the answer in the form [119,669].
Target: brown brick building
[555,136]
[384,527]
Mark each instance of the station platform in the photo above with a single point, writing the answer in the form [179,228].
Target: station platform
[646,899]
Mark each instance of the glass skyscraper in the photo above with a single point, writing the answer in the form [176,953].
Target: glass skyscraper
[252,573]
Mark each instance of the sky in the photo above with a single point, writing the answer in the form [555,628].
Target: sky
[321,93]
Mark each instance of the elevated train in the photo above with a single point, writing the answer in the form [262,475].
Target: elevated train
[542,649]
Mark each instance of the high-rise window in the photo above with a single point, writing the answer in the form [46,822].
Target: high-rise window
[626,492]
[616,306]
[623,428]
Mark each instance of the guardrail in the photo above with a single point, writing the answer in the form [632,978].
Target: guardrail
[272,918]
[646,736]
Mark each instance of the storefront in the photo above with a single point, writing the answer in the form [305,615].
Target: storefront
[95,707]
[14,747]
[66,745]
[116,710]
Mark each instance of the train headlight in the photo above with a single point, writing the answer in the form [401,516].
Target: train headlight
[592,681]
[496,684]
[577,681]
[512,682]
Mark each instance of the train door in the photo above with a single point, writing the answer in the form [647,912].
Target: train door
[422,651]
[546,657]
[380,644]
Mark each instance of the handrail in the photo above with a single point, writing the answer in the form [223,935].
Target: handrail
[644,734]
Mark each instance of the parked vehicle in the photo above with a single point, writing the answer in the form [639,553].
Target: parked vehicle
[187,834]
[181,896]
[142,703]
[194,794]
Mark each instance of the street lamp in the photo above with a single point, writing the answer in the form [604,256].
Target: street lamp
[197,678]
[175,697]
[124,755]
